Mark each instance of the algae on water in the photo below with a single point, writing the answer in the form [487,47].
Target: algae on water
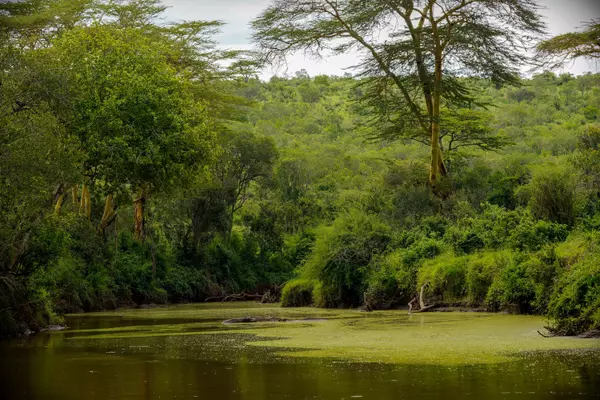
[391,337]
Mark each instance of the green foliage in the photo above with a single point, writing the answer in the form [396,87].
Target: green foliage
[513,290]
[253,181]
[391,279]
[129,108]
[298,293]
[532,235]
[572,45]
[525,282]
[445,277]
[552,195]
[341,255]
[575,304]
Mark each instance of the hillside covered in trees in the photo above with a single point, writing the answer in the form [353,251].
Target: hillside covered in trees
[139,164]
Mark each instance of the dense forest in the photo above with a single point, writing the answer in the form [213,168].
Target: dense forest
[139,164]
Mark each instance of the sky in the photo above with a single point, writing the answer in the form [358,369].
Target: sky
[561,16]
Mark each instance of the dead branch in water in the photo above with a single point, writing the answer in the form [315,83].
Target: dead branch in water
[420,299]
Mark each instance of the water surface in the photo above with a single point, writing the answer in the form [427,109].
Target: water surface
[185,352]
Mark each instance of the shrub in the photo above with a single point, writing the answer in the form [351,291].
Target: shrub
[298,293]
[533,235]
[445,277]
[341,255]
[512,289]
[543,268]
[489,229]
[390,282]
[552,196]
[481,270]
[575,304]
[422,249]
[186,284]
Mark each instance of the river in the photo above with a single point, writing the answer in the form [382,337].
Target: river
[186,352]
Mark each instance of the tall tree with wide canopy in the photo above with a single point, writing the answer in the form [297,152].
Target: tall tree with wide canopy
[412,51]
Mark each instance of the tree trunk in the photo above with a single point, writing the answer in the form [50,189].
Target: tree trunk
[153,256]
[109,215]
[59,203]
[139,205]
[85,204]
[438,169]
[421,299]
[75,195]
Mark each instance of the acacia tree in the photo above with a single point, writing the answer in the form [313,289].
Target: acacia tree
[570,46]
[138,125]
[412,51]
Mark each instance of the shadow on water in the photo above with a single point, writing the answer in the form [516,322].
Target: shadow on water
[83,365]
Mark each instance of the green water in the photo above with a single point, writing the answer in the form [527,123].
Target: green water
[185,352]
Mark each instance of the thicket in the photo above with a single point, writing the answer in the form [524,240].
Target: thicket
[195,180]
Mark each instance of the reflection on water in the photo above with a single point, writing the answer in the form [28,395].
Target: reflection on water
[76,365]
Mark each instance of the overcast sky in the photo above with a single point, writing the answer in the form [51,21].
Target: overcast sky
[561,16]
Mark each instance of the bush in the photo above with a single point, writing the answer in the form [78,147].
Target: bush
[575,304]
[185,284]
[533,235]
[341,256]
[298,293]
[24,307]
[390,281]
[489,229]
[74,290]
[481,271]
[552,196]
[444,277]
[422,248]
[512,289]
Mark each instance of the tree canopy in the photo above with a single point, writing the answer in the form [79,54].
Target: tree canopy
[569,46]
[412,52]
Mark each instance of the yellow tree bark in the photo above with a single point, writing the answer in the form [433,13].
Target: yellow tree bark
[85,204]
[437,169]
[109,215]
[75,194]
[139,205]
[59,203]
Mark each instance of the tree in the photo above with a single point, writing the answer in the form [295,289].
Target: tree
[35,153]
[570,46]
[433,42]
[245,158]
[136,121]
